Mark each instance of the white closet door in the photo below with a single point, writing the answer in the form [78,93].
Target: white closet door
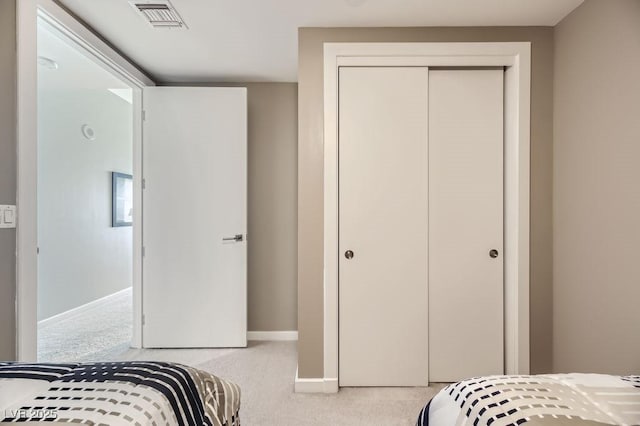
[466,311]
[383,221]
[195,203]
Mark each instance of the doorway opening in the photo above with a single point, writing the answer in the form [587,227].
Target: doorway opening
[85,204]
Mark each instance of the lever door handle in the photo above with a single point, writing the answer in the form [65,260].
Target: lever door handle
[237,238]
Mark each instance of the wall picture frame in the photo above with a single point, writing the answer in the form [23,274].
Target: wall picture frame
[121,200]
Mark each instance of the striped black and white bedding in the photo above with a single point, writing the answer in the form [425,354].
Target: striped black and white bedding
[562,399]
[115,393]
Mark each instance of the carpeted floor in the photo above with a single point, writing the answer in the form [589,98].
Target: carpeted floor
[265,372]
[97,332]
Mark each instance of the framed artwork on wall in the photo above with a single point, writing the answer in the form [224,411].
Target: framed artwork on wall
[121,199]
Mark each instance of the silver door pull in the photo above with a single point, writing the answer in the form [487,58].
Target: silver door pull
[237,238]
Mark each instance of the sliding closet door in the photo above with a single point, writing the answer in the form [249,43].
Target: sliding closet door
[466,311]
[383,226]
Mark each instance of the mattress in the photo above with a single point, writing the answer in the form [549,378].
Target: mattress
[563,399]
[116,393]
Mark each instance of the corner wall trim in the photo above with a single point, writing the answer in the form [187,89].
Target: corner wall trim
[276,336]
[315,385]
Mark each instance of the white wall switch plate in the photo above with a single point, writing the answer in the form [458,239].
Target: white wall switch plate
[7,216]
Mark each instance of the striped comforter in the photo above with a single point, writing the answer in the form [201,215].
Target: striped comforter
[562,399]
[115,393]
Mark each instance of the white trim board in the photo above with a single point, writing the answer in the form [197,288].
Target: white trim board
[302,385]
[28,14]
[79,310]
[273,336]
[516,58]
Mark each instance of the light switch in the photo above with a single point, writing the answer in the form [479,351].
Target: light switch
[7,216]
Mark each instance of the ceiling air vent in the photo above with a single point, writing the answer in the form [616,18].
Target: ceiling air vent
[159,13]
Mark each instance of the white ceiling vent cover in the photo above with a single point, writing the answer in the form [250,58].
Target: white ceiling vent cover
[159,13]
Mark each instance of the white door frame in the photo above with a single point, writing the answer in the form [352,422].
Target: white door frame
[516,58]
[28,13]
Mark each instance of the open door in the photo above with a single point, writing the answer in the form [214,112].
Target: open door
[195,217]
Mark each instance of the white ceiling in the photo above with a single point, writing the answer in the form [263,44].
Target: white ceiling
[75,70]
[256,40]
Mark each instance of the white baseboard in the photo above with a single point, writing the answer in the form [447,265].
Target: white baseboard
[315,385]
[81,309]
[279,336]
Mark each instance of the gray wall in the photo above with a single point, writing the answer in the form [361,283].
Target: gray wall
[82,258]
[597,189]
[8,67]
[310,175]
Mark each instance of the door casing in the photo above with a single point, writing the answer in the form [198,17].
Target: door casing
[516,58]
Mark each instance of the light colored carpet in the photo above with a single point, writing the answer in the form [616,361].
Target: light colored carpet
[90,335]
[265,372]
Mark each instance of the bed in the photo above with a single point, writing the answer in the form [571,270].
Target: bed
[116,393]
[562,399]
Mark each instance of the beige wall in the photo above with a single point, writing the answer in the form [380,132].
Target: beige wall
[273,201]
[310,175]
[7,175]
[597,189]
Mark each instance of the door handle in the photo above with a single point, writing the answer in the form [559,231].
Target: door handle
[237,238]
[493,253]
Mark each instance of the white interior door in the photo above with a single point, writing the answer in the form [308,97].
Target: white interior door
[195,203]
[383,221]
[466,306]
